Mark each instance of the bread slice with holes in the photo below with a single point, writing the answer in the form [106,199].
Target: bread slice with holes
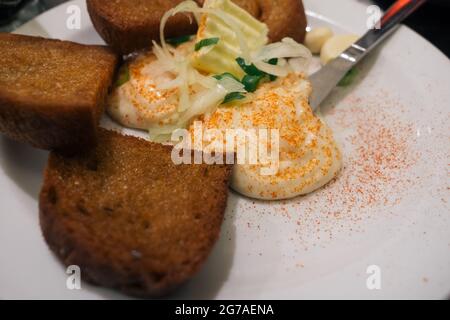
[131,25]
[52,92]
[129,217]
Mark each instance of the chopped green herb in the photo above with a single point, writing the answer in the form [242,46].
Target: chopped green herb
[348,78]
[274,62]
[124,76]
[249,69]
[253,76]
[224,75]
[179,40]
[251,82]
[256,74]
[232,97]
[206,43]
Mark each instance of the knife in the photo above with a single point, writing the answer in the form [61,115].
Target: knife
[327,78]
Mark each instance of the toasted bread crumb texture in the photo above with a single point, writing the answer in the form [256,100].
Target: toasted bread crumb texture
[52,92]
[130,25]
[129,217]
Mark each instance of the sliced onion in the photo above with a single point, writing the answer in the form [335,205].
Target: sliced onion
[282,62]
[204,102]
[185,6]
[287,48]
[175,83]
[231,85]
[279,71]
[299,55]
[165,58]
[204,81]
[184,100]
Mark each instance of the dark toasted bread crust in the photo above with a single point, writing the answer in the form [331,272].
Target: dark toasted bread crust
[129,217]
[52,92]
[131,25]
[285,18]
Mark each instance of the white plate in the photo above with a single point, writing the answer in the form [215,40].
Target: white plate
[389,207]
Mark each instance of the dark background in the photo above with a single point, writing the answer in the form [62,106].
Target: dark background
[432,21]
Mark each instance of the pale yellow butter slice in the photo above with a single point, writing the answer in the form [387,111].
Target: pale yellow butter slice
[222,56]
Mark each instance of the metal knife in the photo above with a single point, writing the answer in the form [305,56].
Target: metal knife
[324,80]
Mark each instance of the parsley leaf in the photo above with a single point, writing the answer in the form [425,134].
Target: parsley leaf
[206,43]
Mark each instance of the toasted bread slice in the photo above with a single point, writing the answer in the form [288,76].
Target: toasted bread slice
[52,92]
[129,217]
[285,18]
[131,25]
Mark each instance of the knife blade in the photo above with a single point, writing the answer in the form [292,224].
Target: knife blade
[327,78]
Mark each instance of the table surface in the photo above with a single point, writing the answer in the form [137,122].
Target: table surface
[430,21]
